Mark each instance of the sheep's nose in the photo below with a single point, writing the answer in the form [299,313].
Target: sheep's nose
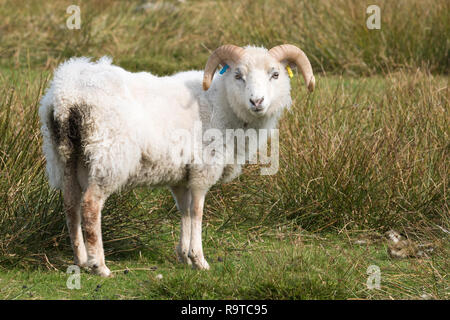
[257,102]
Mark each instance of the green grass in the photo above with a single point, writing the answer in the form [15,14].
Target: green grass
[253,265]
[366,152]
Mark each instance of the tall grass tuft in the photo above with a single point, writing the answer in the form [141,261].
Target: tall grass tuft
[357,154]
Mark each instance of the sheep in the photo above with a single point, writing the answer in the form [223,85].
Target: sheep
[105,129]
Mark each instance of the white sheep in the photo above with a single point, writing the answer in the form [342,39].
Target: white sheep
[105,128]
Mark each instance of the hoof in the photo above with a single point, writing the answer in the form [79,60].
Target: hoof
[198,261]
[102,271]
[201,265]
[183,258]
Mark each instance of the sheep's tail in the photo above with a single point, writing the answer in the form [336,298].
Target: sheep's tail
[66,134]
[61,140]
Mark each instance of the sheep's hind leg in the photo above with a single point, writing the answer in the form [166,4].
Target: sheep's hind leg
[182,196]
[92,204]
[195,247]
[72,199]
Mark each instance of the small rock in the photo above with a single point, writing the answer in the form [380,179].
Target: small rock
[426,296]
[394,236]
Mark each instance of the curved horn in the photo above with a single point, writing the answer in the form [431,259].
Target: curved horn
[221,55]
[293,54]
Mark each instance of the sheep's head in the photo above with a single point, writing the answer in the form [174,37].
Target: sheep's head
[257,82]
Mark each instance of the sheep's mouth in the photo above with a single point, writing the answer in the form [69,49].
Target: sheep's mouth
[258,110]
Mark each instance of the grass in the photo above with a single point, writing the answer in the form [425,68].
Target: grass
[334,34]
[253,265]
[368,151]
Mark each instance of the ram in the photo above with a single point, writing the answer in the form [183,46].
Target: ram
[105,129]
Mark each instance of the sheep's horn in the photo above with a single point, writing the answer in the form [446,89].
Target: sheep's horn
[293,54]
[221,55]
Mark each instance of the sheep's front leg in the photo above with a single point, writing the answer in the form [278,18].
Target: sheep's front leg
[182,197]
[92,204]
[195,247]
[72,199]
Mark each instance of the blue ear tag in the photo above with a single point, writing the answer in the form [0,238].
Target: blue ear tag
[225,67]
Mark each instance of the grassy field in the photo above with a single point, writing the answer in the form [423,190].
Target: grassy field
[367,152]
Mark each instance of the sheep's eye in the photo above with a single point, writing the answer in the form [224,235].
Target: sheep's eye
[238,76]
[275,75]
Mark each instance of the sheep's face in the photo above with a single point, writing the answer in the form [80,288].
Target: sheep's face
[258,86]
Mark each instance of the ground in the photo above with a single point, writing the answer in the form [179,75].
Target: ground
[244,265]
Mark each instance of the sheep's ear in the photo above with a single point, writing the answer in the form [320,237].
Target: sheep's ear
[291,64]
[221,55]
[290,67]
[294,54]
[221,67]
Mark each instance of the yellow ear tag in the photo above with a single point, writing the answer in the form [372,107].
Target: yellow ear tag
[289,71]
